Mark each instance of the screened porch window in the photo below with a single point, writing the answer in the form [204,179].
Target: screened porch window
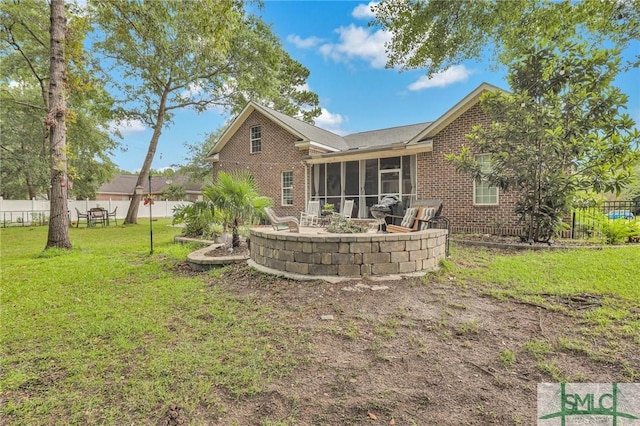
[364,181]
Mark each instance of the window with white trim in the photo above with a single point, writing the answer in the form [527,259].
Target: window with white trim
[483,193]
[256,139]
[287,188]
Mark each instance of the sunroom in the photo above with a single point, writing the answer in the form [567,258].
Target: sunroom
[364,177]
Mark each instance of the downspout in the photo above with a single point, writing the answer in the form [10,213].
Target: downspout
[306,185]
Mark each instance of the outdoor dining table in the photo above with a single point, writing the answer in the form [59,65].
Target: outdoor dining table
[97,215]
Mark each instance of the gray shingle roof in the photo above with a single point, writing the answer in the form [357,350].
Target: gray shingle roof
[374,140]
[368,139]
[311,132]
[384,137]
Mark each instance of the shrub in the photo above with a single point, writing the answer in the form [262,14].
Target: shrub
[614,231]
[342,225]
[198,218]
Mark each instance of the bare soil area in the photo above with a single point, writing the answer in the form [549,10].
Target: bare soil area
[408,352]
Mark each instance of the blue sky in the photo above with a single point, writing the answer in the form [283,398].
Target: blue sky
[347,59]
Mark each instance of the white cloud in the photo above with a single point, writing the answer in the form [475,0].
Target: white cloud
[363,11]
[192,90]
[304,87]
[455,74]
[330,121]
[304,43]
[359,43]
[127,127]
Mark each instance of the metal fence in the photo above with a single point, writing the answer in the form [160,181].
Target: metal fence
[586,221]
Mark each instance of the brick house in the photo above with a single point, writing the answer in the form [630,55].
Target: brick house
[294,162]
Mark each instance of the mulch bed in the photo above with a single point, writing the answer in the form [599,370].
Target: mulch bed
[513,241]
[226,250]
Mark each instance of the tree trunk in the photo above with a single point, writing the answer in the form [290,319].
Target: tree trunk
[132,213]
[55,120]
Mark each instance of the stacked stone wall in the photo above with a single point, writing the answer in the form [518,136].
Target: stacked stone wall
[349,254]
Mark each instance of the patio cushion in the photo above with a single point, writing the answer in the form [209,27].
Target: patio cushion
[409,217]
[427,214]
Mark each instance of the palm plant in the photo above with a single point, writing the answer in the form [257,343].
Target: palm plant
[235,195]
[197,217]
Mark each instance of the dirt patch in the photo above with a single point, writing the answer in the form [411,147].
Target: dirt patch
[173,417]
[411,352]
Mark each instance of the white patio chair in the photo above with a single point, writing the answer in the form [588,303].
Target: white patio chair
[312,215]
[347,209]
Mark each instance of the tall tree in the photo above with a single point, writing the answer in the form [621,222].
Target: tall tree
[558,133]
[24,151]
[197,167]
[24,99]
[56,122]
[174,54]
[437,34]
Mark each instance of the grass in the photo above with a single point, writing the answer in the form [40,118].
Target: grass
[548,277]
[609,271]
[106,333]
[551,279]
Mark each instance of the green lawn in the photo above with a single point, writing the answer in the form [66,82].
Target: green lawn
[550,278]
[108,333]
[610,270]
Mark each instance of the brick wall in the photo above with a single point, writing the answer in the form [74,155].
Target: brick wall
[278,154]
[438,178]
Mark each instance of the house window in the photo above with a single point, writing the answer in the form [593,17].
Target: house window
[256,139]
[287,188]
[484,194]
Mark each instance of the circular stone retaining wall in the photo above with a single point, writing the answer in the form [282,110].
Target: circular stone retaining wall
[348,254]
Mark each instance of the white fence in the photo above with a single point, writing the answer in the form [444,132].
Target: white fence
[25,212]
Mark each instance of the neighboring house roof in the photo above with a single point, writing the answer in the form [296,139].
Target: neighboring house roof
[125,184]
[414,136]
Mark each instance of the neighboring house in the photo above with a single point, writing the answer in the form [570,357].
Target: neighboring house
[121,187]
[294,162]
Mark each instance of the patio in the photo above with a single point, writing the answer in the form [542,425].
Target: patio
[314,252]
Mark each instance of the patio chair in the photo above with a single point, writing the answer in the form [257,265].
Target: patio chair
[291,222]
[84,216]
[113,215]
[427,214]
[423,214]
[312,215]
[347,209]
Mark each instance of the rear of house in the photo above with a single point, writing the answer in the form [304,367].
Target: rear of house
[294,162]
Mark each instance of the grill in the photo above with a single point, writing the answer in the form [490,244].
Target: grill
[381,210]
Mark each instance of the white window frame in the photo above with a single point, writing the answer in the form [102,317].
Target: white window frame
[284,188]
[253,139]
[481,158]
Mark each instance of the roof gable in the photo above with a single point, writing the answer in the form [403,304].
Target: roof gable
[454,112]
[304,132]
